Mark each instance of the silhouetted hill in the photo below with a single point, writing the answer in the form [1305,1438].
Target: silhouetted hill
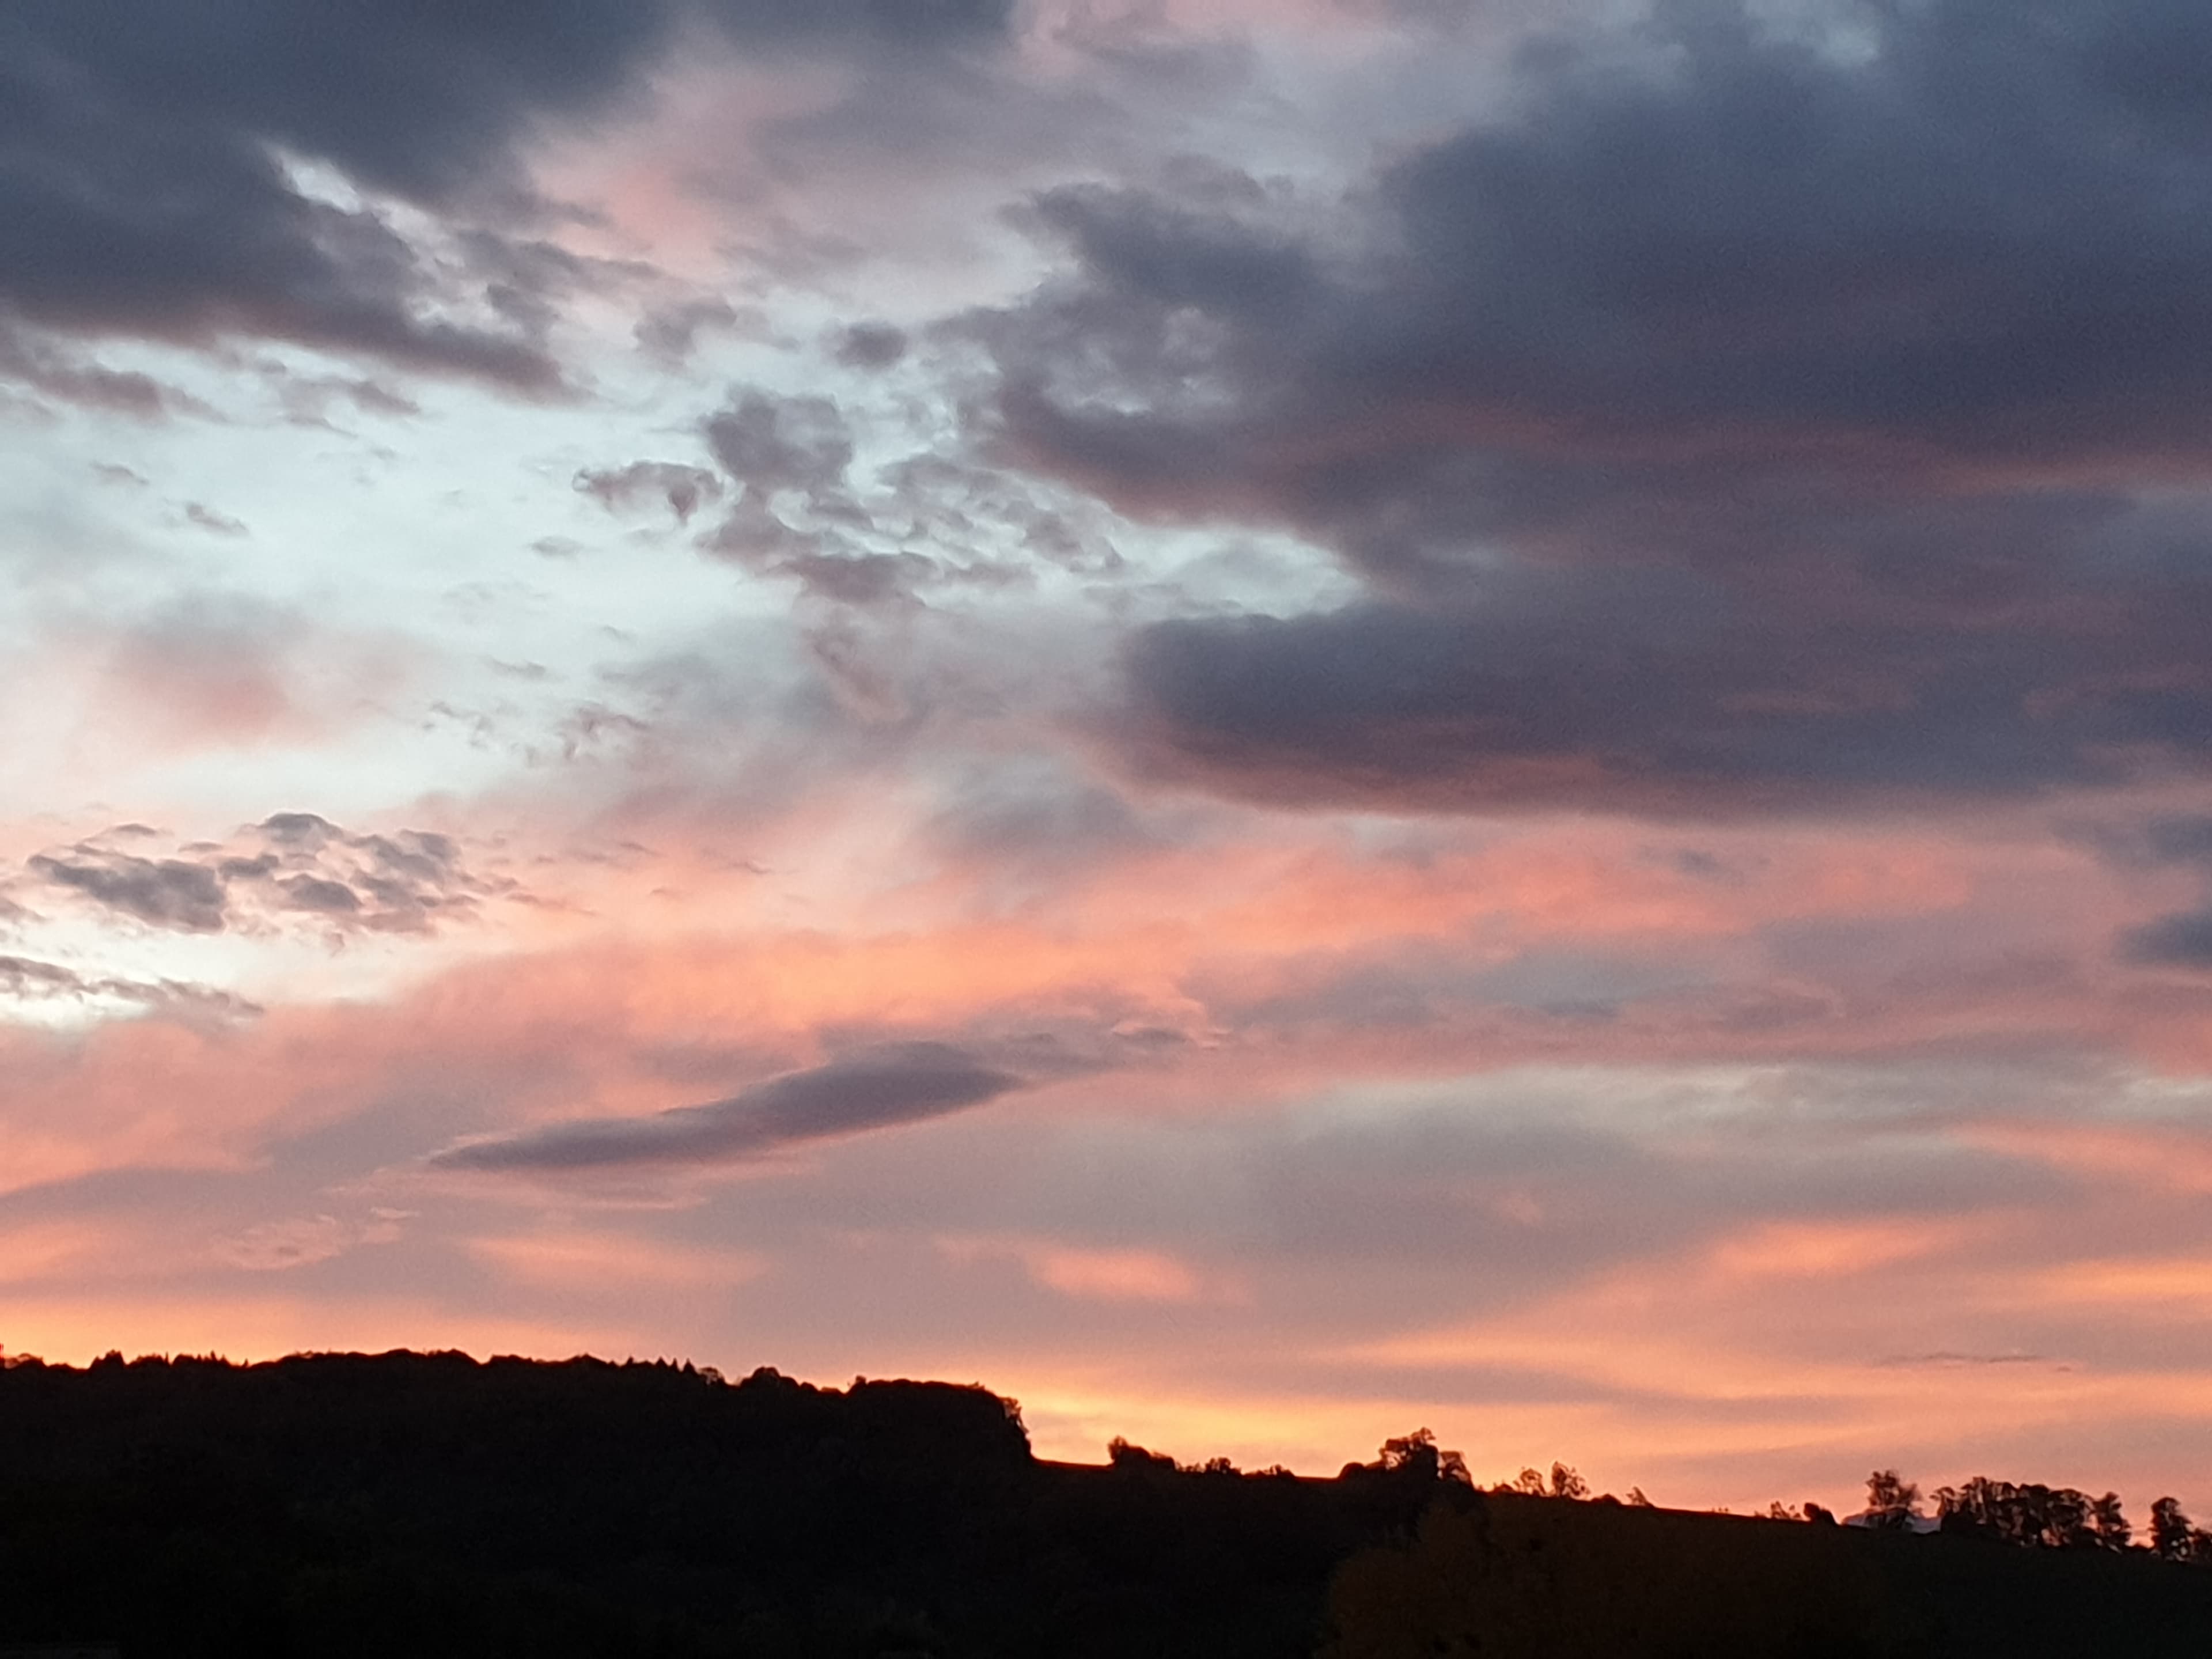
[427,1504]
[1534,1576]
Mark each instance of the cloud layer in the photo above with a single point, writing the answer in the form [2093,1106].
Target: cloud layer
[158,162]
[907,1083]
[1739,420]
[1267,722]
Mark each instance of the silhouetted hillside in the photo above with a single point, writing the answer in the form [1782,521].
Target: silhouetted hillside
[1520,1575]
[427,1504]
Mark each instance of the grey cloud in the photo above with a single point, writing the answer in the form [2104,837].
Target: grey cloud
[865,689]
[825,562]
[314,893]
[592,725]
[1487,1190]
[142,195]
[167,893]
[69,377]
[903,1084]
[2178,838]
[807,508]
[307,398]
[2184,940]
[1437,989]
[1023,823]
[2162,839]
[2166,839]
[1728,422]
[1721,234]
[751,535]
[404,882]
[671,333]
[309,830]
[1624,690]
[290,864]
[26,979]
[769,443]
[802,447]
[863,578]
[900,25]
[681,488]
[871,345]
[950,502]
[209,518]
[1442,1181]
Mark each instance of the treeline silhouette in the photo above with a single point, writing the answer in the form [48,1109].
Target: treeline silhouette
[428,1504]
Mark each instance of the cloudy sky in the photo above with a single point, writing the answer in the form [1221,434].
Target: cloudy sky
[1265,719]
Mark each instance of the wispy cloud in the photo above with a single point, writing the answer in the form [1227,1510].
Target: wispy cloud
[908,1083]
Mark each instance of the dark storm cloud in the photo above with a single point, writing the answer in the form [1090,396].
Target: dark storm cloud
[292,863]
[1735,420]
[905,1083]
[1986,239]
[1663,696]
[143,190]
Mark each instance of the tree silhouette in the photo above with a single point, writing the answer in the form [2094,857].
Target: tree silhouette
[1131,1459]
[1891,1503]
[2108,1524]
[1418,1456]
[1563,1482]
[2173,1537]
[2032,1516]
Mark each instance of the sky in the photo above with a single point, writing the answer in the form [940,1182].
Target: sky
[1266,719]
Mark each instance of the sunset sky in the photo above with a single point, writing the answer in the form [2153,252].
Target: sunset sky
[1265,719]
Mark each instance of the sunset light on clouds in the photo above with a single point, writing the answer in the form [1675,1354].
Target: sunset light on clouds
[1265,721]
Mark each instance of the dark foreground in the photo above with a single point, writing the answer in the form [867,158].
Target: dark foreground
[424,1504]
